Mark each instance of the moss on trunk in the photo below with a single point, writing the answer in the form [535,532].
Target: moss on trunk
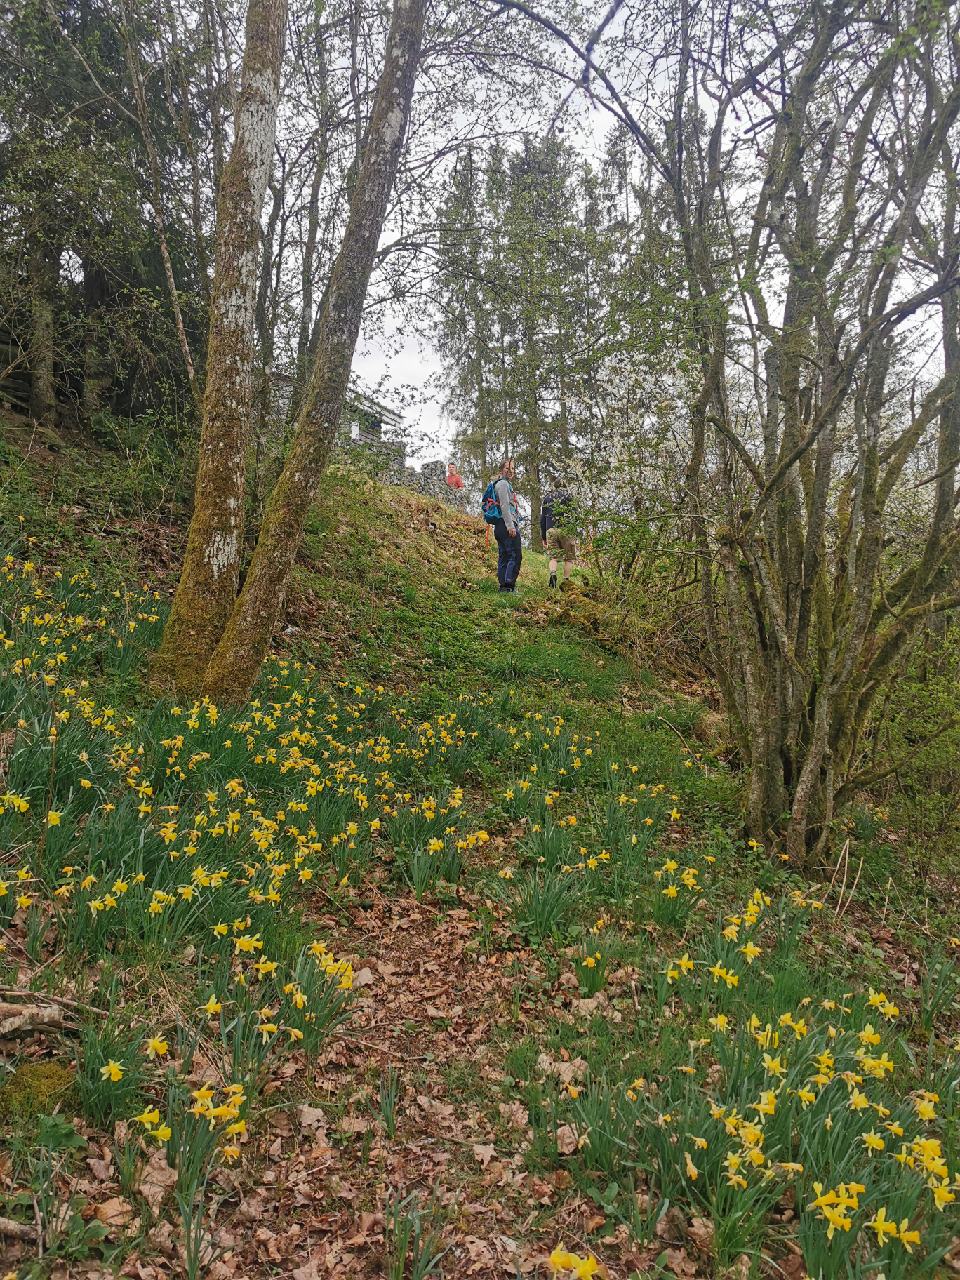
[210,573]
[246,639]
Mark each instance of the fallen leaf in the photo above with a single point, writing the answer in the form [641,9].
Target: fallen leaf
[115,1212]
[587,1006]
[483,1155]
[680,1264]
[568,1071]
[251,1208]
[222,1269]
[542,1190]
[312,1117]
[156,1179]
[364,978]
[280,1123]
[514,1113]
[102,1170]
[701,1233]
[162,1237]
[792,1267]
[567,1141]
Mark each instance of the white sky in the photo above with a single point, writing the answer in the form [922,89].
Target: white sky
[413,366]
[403,370]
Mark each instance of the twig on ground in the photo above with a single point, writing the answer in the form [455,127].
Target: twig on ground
[14,993]
[16,1018]
[17,1230]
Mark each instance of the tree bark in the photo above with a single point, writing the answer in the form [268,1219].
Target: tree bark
[245,642]
[98,369]
[210,574]
[43,268]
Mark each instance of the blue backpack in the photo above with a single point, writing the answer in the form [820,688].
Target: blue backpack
[489,506]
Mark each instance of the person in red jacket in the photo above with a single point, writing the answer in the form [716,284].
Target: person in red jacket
[454,478]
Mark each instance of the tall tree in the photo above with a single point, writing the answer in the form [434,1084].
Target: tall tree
[210,575]
[245,642]
[799,147]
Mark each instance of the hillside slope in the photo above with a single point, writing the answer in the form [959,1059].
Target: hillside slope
[439,957]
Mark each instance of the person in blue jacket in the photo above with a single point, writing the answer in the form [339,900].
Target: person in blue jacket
[506,529]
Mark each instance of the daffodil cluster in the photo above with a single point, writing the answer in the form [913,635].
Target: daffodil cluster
[816,1102]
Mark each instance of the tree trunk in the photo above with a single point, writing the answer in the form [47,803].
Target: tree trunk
[44,271]
[238,657]
[97,366]
[210,574]
[268,429]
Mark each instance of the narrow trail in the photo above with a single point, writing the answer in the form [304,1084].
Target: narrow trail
[445,988]
[430,1004]
[571,979]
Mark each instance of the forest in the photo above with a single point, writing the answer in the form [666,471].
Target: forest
[369,910]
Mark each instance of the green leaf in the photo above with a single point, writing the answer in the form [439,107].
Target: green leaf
[56,1133]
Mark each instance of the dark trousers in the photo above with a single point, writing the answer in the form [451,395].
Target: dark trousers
[511,554]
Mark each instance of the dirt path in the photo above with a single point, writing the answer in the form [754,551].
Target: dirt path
[431,1004]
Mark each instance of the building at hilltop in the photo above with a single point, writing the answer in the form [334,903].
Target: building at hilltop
[365,422]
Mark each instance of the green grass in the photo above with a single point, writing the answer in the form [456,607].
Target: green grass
[516,768]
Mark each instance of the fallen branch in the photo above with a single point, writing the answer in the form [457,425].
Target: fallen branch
[17,1230]
[16,1018]
[12,993]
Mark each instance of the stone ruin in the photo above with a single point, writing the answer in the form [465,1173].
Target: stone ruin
[362,437]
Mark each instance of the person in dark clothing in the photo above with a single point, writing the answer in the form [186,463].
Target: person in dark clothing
[556,529]
[506,530]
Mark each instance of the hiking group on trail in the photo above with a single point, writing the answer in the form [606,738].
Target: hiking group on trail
[500,508]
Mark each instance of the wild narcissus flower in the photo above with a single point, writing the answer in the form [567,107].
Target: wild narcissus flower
[582,1268]
[882,1226]
[907,1237]
[112,1071]
[157,1047]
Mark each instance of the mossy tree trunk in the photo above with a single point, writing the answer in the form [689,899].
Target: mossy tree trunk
[247,637]
[210,574]
[44,272]
[98,368]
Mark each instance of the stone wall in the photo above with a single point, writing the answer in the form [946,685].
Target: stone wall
[387,461]
[431,481]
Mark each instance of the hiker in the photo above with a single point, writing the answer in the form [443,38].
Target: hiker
[500,508]
[556,528]
[454,478]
